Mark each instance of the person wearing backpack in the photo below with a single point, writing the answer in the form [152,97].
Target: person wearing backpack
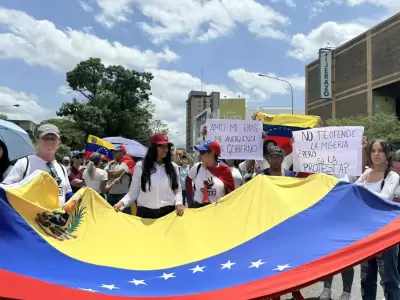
[48,141]
[212,178]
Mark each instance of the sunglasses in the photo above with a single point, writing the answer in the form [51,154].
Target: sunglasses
[49,138]
[203,152]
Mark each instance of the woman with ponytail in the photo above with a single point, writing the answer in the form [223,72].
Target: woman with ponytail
[381,180]
[93,176]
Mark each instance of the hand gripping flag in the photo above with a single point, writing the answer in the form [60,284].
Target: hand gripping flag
[95,144]
[238,248]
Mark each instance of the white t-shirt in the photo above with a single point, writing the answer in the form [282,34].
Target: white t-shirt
[123,187]
[98,176]
[216,188]
[36,163]
[237,176]
[389,187]
[160,193]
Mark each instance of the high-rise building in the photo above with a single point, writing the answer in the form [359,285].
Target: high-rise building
[196,103]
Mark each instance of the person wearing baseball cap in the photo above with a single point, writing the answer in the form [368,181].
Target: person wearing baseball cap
[212,178]
[47,143]
[119,173]
[275,159]
[76,171]
[155,183]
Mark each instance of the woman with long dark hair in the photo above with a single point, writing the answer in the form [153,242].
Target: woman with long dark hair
[381,180]
[5,165]
[155,183]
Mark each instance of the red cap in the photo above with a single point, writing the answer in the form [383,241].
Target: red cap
[209,146]
[159,138]
[120,148]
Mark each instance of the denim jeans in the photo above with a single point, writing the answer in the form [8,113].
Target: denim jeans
[386,264]
[347,279]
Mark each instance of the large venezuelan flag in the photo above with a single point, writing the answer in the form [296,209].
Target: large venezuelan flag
[96,144]
[279,128]
[251,244]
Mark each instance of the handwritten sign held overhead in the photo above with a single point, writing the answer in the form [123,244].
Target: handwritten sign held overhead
[330,150]
[239,139]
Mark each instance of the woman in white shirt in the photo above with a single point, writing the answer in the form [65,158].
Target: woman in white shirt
[381,180]
[95,177]
[155,183]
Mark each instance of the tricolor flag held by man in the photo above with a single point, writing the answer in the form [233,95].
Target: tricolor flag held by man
[246,246]
[279,128]
[96,144]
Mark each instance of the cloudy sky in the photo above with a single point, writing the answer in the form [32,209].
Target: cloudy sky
[231,40]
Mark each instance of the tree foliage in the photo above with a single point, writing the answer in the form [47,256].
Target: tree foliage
[71,136]
[3,117]
[159,126]
[379,126]
[63,151]
[114,101]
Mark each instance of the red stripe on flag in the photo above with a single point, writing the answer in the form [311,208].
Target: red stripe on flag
[22,287]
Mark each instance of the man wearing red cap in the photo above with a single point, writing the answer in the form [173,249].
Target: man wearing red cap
[120,174]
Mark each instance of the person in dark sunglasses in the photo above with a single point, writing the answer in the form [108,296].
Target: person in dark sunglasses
[47,143]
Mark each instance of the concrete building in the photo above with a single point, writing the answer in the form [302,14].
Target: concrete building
[365,75]
[26,125]
[196,103]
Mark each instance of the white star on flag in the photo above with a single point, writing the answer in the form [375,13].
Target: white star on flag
[137,282]
[227,265]
[281,268]
[197,269]
[256,264]
[167,276]
[88,290]
[110,287]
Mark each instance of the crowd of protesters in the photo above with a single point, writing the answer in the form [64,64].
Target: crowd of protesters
[162,183]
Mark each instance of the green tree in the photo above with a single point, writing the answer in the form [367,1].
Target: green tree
[115,101]
[63,151]
[159,126]
[71,135]
[3,117]
[380,126]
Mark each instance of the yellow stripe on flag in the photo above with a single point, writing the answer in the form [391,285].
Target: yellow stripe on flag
[304,121]
[105,237]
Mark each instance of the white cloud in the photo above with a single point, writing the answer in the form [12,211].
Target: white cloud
[28,109]
[39,42]
[318,6]
[290,3]
[330,34]
[193,19]
[85,6]
[262,88]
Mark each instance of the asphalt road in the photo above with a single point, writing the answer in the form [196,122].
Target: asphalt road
[313,292]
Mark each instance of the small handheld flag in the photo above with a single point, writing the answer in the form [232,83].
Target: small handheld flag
[96,144]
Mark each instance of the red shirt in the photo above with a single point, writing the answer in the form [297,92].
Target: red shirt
[74,173]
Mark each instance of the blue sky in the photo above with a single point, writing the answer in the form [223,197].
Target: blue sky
[231,40]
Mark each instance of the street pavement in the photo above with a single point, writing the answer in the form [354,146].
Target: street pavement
[313,292]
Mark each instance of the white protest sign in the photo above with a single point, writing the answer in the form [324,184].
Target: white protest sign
[239,139]
[330,150]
